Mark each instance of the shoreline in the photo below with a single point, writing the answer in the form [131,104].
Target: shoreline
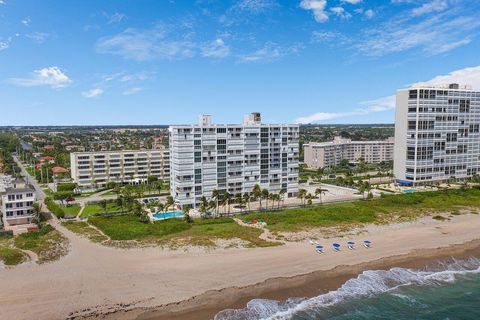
[99,282]
[208,304]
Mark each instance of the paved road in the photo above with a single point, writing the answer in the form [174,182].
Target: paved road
[38,190]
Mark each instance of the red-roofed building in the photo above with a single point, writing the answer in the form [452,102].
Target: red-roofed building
[59,170]
[49,159]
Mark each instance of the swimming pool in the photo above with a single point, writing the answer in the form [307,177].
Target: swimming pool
[167,215]
[409,190]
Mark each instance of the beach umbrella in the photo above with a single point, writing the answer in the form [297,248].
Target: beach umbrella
[367,243]
[350,243]
[336,246]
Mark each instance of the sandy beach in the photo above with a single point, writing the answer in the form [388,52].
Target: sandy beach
[104,282]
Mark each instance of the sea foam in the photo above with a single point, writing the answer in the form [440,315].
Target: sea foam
[368,284]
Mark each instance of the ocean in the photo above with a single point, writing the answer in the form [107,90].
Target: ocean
[448,291]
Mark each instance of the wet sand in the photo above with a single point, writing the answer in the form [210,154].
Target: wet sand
[94,281]
[205,306]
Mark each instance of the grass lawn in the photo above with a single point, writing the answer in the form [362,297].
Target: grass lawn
[84,229]
[71,210]
[10,255]
[48,243]
[174,231]
[95,209]
[387,208]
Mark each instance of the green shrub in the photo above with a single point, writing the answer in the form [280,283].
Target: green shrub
[54,208]
[69,186]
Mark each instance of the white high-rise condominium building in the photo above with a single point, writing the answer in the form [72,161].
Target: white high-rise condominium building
[91,170]
[436,134]
[232,158]
[328,154]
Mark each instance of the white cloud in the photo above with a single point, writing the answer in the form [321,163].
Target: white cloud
[432,6]
[317,7]
[340,12]
[269,52]
[253,6]
[116,17]
[369,13]
[131,91]
[144,45]
[352,1]
[26,21]
[2,2]
[367,107]
[93,93]
[38,37]
[433,35]
[216,49]
[51,76]
[3,45]
[467,76]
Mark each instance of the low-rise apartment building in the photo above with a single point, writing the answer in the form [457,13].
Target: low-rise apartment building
[92,170]
[437,134]
[328,154]
[17,201]
[232,158]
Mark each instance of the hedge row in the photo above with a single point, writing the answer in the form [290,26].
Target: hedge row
[54,208]
[69,186]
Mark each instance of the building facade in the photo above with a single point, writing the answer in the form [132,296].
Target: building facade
[17,204]
[437,134]
[328,154]
[92,170]
[232,158]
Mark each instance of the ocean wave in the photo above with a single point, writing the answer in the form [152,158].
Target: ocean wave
[368,284]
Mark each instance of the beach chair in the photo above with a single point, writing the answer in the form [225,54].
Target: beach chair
[311,242]
[319,249]
[336,246]
[351,245]
[367,244]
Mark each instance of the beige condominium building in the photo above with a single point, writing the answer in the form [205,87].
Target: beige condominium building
[91,170]
[232,158]
[437,134]
[327,154]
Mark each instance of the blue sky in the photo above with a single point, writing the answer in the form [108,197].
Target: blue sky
[166,61]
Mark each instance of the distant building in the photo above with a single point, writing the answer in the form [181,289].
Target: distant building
[6,181]
[328,154]
[91,170]
[232,158]
[437,134]
[17,202]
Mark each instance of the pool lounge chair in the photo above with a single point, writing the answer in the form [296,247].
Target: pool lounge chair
[351,245]
[367,244]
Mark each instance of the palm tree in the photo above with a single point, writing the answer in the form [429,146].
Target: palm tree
[227,198]
[265,195]
[203,206]
[282,196]
[272,198]
[37,211]
[216,195]
[103,204]
[170,202]
[309,198]
[239,200]
[318,193]
[186,210]
[246,199]
[301,195]
[257,194]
